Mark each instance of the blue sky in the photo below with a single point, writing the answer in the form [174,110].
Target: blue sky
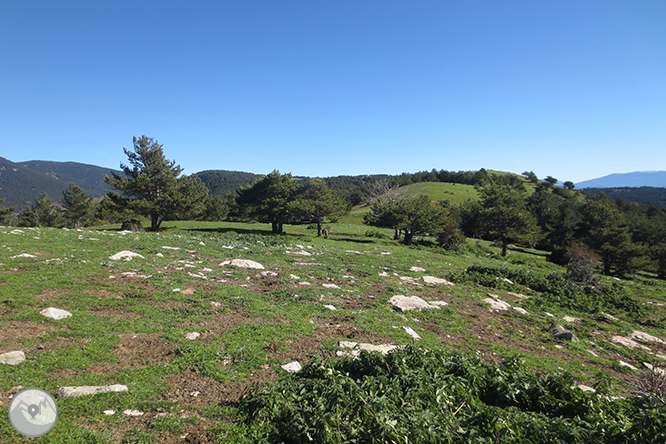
[572,89]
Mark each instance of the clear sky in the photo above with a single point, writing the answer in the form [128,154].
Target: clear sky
[568,88]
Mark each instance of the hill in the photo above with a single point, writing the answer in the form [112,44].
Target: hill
[221,182]
[642,195]
[635,179]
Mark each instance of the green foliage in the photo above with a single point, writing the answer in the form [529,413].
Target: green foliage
[270,199]
[43,214]
[503,215]
[5,212]
[425,396]
[316,203]
[151,187]
[78,207]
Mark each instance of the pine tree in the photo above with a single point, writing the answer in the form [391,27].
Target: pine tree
[78,206]
[317,203]
[152,188]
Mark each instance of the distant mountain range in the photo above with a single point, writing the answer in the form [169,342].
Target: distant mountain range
[635,179]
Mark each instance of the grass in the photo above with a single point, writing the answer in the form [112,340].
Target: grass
[131,330]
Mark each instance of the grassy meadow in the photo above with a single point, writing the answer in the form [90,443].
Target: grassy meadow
[130,319]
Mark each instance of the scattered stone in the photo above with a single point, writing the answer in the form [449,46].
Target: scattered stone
[22,255]
[330,307]
[624,364]
[417,269]
[243,263]
[269,274]
[358,347]
[304,283]
[567,335]
[136,275]
[550,315]
[293,276]
[192,336]
[518,295]
[630,343]
[496,304]
[384,274]
[406,303]
[353,251]
[385,253]
[436,280]
[292,367]
[17,231]
[570,319]
[411,332]
[646,338]
[521,310]
[658,370]
[75,392]
[586,388]
[159,255]
[125,254]
[206,270]
[300,252]
[109,412]
[329,286]
[55,313]
[608,317]
[12,358]
[505,280]
[170,248]
[129,412]
[439,303]
[228,247]
[215,304]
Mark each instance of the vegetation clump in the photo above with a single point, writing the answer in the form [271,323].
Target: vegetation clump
[427,396]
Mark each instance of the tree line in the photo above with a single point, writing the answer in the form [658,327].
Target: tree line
[621,237]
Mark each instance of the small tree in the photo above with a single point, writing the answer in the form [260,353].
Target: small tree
[422,216]
[316,202]
[385,214]
[5,212]
[152,188]
[43,214]
[78,206]
[504,216]
[269,199]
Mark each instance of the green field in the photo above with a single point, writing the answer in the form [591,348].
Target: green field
[129,318]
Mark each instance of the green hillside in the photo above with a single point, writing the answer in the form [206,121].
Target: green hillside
[221,182]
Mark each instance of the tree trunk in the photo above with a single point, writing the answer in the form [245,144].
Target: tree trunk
[397,234]
[505,246]
[154,222]
[409,236]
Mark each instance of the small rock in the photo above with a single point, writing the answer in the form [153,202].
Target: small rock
[630,343]
[55,313]
[304,283]
[292,367]
[521,310]
[293,276]
[269,274]
[129,412]
[384,274]
[550,315]
[561,333]
[243,263]
[22,255]
[383,348]
[586,388]
[608,317]
[170,248]
[188,291]
[192,336]
[417,269]
[436,280]
[658,370]
[127,255]
[646,338]
[624,364]
[12,358]
[215,304]
[75,392]
[329,286]
[330,307]
[411,333]
[406,303]
[109,412]
[570,319]
[159,255]
[497,304]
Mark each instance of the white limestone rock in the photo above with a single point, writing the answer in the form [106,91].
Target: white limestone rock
[243,263]
[436,281]
[407,303]
[55,313]
[125,254]
[417,269]
[193,336]
[497,304]
[12,358]
[292,367]
[75,392]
